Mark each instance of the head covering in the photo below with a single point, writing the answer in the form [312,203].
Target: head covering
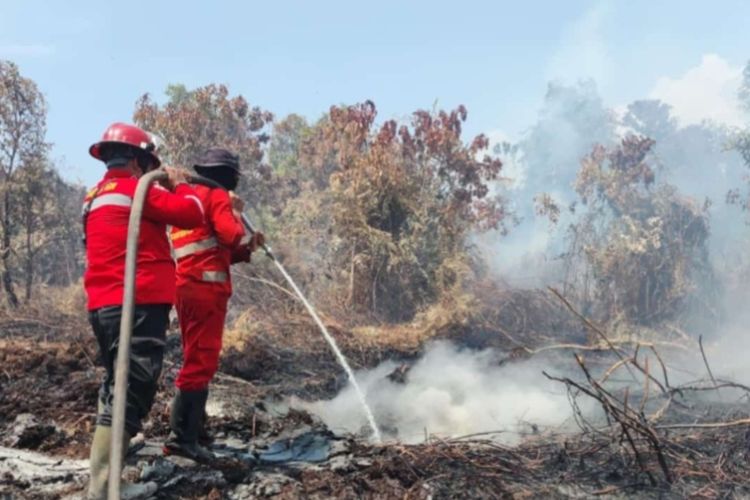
[218,157]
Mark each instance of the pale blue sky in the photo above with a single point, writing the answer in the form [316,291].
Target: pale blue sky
[92,59]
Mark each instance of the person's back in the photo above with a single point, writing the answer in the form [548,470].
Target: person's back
[128,152]
[204,255]
[107,213]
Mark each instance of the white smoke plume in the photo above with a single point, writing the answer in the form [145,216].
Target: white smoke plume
[451,393]
[705,92]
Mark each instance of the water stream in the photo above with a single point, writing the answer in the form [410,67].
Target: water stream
[339,355]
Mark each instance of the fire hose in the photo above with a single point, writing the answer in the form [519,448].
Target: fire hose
[122,365]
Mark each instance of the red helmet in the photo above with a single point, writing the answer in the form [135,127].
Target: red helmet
[122,133]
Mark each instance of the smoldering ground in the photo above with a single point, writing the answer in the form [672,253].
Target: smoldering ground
[451,392]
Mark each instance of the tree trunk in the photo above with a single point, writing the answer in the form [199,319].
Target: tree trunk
[30,252]
[66,264]
[351,278]
[29,281]
[10,293]
[29,268]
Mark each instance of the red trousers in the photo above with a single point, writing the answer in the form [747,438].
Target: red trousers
[201,310]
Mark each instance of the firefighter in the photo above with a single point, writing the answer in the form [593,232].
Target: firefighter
[128,152]
[204,286]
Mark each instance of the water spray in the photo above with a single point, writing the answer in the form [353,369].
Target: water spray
[329,338]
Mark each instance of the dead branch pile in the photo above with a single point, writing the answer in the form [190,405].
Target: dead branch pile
[685,451]
[659,437]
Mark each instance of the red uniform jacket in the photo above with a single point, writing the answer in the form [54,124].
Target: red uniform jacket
[205,253]
[106,213]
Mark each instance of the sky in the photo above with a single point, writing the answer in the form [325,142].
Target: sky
[93,59]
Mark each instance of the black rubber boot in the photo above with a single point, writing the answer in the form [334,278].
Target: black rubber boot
[204,437]
[185,420]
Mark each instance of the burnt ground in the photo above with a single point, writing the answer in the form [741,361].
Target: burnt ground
[676,446]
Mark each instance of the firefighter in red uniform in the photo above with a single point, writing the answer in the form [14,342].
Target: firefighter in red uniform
[128,152]
[204,286]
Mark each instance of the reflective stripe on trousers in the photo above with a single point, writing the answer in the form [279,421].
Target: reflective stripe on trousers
[195,247]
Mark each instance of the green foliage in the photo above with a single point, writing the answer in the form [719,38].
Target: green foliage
[283,149]
[178,94]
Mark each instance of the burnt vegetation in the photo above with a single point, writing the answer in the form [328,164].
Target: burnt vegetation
[379,222]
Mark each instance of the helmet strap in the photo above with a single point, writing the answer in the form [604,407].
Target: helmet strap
[117,162]
[144,162]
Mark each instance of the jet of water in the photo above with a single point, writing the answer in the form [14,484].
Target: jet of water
[331,341]
[339,355]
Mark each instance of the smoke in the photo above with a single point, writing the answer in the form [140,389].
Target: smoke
[726,349]
[546,159]
[705,92]
[583,50]
[691,153]
[450,392]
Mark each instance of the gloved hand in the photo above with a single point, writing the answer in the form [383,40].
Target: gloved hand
[249,244]
[175,176]
[257,240]
[237,204]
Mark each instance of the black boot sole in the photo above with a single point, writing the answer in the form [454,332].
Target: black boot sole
[179,451]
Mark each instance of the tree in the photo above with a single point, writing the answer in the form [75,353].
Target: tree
[22,131]
[192,121]
[283,148]
[396,203]
[744,92]
[651,118]
[30,200]
[292,178]
[741,140]
[46,245]
[644,245]
[61,261]
[572,120]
